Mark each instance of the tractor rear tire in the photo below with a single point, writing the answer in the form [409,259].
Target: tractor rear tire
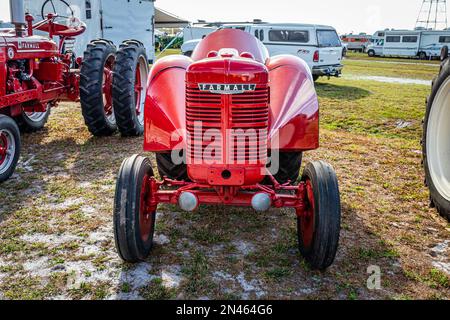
[95,88]
[289,167]
[134,225]
[129,88]
[444,53]
[319,231]
[167,168]
[33,121]
[435,142]
[9,147]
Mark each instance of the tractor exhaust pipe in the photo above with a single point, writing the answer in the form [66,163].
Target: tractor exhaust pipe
[18,16]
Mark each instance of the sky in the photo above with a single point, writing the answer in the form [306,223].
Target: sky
[346,16]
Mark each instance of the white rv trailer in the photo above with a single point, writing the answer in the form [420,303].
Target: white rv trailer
[115,20]
[320,46]
[424,44]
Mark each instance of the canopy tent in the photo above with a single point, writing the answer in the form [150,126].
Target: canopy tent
[164,19]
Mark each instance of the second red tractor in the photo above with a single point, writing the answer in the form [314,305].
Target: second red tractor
[38,71]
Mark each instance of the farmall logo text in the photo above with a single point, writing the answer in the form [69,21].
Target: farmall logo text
[27,45]
[227,88]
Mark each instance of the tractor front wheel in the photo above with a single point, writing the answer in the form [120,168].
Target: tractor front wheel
[96,86]
[129,88]
[134,220]
[33,121]
[167,168]
[436,142]
[9,147]
[318,227]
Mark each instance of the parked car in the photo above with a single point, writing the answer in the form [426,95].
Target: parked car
[318,45]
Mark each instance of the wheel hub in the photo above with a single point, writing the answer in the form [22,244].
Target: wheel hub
[7,150]
[307,220]
[107,89]
[139,87]
[3,147]
[145,214]
[438,141]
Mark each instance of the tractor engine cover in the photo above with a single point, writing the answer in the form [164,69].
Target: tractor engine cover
[227,119]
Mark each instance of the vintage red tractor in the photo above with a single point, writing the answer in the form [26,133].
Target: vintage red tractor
[229,126]
[436,139]
[37,72]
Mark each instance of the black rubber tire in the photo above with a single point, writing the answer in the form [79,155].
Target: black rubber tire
[167,168]
[327,216]
[423,55]
[124,99]
[436,199]
[188,53]
[371,53]
[28,125]
[9,124]
[444,53]
[129,243]
[91,87]
[289,167]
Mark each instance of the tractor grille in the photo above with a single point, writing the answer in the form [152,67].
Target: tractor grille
[245,130]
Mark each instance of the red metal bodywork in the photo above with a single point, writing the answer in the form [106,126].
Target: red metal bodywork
[283,106]
[33,71]
[294,108]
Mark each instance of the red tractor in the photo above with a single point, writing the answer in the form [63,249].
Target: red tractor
[37,72]
[229,126]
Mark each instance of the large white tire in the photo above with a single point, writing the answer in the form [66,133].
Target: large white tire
[436,142]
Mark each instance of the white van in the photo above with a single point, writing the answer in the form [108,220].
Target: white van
[318,45]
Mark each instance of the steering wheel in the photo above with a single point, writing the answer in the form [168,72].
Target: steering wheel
[72,28]
[45,12]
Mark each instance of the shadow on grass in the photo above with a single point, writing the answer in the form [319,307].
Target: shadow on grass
[332,91]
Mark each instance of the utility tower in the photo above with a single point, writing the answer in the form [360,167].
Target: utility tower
[433,15]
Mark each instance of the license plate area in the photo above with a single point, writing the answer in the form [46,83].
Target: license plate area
[226,177]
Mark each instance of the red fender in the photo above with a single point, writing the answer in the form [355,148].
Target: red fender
[294,105]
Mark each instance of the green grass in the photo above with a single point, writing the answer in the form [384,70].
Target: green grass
[371,107]
[166,53]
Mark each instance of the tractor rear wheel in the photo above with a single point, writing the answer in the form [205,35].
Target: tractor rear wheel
[33,121]
[167,168]
[96,86]
[9,147]
[129,86]
[436,142]
[318,228]
[134,221]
